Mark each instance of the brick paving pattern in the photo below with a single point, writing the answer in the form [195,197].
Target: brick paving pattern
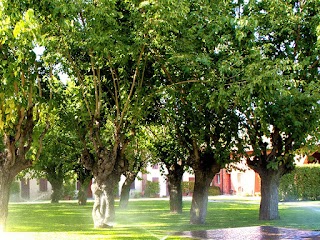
[252,233]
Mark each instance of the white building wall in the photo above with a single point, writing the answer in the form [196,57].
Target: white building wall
[243,180]
[154,174]
[243,183]
[186,176]
[36,194]
[137,185]
[29,190]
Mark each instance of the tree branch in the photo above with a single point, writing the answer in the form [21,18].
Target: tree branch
[41,140]
[116,87]
[126,105]
[95,83]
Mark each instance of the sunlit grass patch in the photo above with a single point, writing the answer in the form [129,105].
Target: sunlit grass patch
[148,219]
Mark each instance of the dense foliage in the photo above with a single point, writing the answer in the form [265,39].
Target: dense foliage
[303,183]
[223,76]
[152,189]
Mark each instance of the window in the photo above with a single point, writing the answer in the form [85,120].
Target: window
[43,185]
[218,178]
[133,185]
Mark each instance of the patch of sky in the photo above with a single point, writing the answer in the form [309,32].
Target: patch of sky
[39,50]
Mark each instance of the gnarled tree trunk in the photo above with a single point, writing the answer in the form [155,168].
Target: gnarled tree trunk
[8,170]
[97,211]
[109,197]
[103,212]
[57,189]
[5,183]
[271,164]
[174,177]
[270,181]
[106,172]
[11,164]
[198,211]
[205,166]
[83,193]
[125,189]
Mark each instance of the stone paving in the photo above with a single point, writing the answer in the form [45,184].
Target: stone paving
[251,233]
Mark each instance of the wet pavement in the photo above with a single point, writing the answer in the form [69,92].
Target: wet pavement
[252,233]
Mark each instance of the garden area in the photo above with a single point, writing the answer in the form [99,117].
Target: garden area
[150,219]
[95,91]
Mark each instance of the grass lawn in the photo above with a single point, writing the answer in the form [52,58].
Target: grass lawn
[149,219]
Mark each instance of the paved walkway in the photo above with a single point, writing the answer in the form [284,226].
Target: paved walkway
[251,233]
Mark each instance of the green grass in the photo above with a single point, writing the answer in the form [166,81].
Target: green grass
[149,219]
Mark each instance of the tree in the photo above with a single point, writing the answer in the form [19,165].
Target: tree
[58,160]
[137,157]
[23,107]
[210,136]
[130,176]
[168,151]
[84,176]
[197,63]
[103,48]
[279,97]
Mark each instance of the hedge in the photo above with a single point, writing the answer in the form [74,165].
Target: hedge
[187,189]
[214,191]
[152,189]
[303,183]
[15,188]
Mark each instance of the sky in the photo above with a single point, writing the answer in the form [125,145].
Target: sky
[39,51]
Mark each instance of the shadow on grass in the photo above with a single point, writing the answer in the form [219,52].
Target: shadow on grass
[148,219]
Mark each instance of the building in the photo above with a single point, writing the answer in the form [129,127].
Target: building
[31,190]
[239,180]
[244,182]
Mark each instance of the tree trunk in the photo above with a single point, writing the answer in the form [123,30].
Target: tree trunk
[5,183]
[125,190]
[103,212]
[9,168]
[106,171]
[109,198]
[84,178]
[174,177]
[175,191]
[96,210]
[269,195]
[13,158]
[57,188]
[198,211]
[83,193]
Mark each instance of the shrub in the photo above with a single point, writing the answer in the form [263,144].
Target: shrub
[187,188]
[214,191]
[69,189]
[136,194]
[288,190]
[152,189]
[15,188]
[303,183]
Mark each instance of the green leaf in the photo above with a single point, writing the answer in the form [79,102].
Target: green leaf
[18,29]
[29,15]
[144,3]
